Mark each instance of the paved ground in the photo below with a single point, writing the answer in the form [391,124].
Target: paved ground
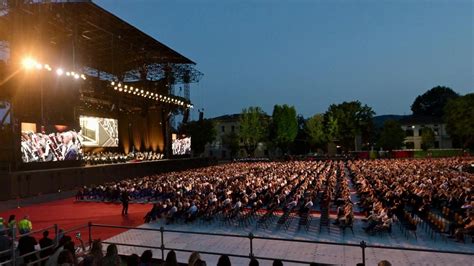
[341,255]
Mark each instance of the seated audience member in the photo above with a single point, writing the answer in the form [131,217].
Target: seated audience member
[133,260]
[112,257]
[146,258]
[224,261]
[253,262]
[171,259]
[11,224]
[72,249]
[191,213]
[66,258]
[152,214]
[339,213]
[193,258]
[96,251]
[468,228]
[200,262]
[384,263]
[89,260]
[48,243]
[5,244]
[307,206]
[53,259]
[27,244]
[172,214]
[277,263]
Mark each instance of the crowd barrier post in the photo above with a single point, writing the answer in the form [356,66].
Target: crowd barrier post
[90,233]
[251,245]
[13,229]
[162,247]
[363,245]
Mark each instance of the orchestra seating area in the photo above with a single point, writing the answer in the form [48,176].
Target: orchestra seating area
[116,157]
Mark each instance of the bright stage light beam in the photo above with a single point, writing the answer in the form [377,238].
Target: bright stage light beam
[59,72]
[29,63]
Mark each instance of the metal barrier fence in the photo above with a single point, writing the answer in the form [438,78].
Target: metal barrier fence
[12,257]
[362,245]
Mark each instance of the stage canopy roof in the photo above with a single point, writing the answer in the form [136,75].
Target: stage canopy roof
[94,38]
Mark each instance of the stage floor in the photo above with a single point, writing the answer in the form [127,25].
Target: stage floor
[330,254]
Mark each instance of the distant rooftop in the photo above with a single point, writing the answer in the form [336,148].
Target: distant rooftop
[420,120]
[231,117]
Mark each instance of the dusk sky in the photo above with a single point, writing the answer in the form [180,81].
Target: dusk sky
[311,54]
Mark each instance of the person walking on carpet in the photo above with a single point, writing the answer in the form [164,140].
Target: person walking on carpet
[125,198]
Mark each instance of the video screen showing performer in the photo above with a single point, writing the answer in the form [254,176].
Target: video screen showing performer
[99,132]
[50,147]
[181,146]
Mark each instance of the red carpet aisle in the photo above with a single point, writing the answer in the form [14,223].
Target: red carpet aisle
[69,214]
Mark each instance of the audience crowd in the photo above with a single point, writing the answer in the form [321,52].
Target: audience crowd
[389,188]
[227,189]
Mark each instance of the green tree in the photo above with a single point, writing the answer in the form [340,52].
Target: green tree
[353,119]
[392,135]
[284,126]
[300,145]
[427,138]
[231,142]
[433,101]
[459,118]
[253,128]
[201,132]
[332,128]
[315,130]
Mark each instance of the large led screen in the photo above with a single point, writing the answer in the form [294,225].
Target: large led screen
[98,131]
[58,143]
[181,146]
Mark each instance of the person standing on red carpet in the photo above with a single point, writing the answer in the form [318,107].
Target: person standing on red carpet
[125,198]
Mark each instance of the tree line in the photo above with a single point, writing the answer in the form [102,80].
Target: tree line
[344,126]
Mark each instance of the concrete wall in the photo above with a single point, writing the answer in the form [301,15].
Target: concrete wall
[25,184]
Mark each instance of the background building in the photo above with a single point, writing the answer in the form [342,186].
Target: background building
[413,125]
[228,126]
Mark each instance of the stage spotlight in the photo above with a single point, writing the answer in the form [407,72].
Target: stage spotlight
[59,71]
[28,63]
[125,86]
[47,67]
[136,89]
[68,74]
[115,88]
[120,85]
[112,83]
[83,77]
[76,76]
